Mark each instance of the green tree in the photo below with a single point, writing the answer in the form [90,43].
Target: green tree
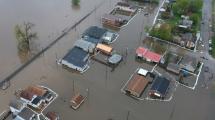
[163,32]
[195,6]
[75,2]
[24,35]
[181,7]
[195,18]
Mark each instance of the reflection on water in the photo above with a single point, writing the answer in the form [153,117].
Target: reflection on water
[24,56]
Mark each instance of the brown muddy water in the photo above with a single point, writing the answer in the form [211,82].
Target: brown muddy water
[105,98]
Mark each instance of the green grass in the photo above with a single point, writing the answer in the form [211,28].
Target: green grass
[173,21]
[213,46]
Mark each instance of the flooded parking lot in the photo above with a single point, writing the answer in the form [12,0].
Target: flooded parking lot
[105,98]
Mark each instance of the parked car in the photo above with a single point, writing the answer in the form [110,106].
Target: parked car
[210,42]
[210,49]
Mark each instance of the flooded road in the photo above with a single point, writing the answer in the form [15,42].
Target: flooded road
[50,18]
[105,99]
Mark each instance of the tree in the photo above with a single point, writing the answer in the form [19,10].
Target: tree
[181,7]
[195,18]
[24,35]
[75,2]
[163,32]
[195,6]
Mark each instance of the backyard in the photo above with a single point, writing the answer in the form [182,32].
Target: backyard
[179,22]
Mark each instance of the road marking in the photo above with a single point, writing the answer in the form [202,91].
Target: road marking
[158,12]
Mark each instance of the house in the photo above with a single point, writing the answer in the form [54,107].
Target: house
[76,59]
[27,96]
[48,96]
[92,40]
[126,8]
[109,37]
[113,21]
[16,106]
[159,87]
[36,90]
[94,32]
[106,49]
[52,116]
[137,83]
[175,68]
[189,63]
[27,114]
[85,45]
[37,102]
[185,22]
[76,101]
[149,56]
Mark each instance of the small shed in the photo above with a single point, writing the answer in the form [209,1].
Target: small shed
[76,101]
[106,49]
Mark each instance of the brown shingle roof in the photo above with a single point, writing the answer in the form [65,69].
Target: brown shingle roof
[77,99]
[137,84]
[36,90]
[26,95]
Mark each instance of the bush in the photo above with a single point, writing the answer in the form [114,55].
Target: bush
[75,2]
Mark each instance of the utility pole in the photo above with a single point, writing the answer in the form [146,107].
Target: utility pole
[128,113]
[73,86]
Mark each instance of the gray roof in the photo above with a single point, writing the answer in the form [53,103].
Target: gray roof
[186,22]
[17,104]
[189,63]
[26,114]
[85,45]
[114,59]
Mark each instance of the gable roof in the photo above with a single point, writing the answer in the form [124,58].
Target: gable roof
[27,95]
[16,104]
[26,114]
[160,85]
[76,56]
[85,45]
[141,51]
[137,84]
[36,90]
[94,32]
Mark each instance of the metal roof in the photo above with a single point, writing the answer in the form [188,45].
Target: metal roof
[85,45]
[95,32]
[77,57]
[160,84]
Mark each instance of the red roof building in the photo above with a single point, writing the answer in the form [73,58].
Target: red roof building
[148,55]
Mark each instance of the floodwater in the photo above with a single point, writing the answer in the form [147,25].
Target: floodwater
[105,99]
